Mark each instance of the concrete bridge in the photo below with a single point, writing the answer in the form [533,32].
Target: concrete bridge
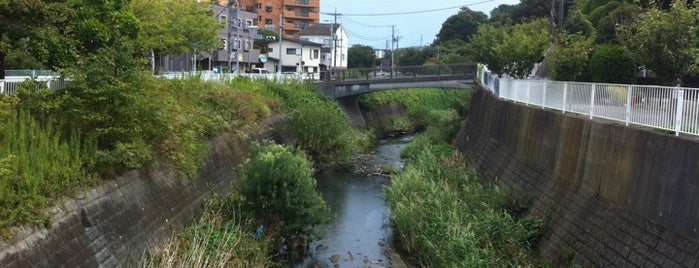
[347,85]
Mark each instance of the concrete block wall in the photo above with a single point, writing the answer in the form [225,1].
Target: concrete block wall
[114,224]
[613,196]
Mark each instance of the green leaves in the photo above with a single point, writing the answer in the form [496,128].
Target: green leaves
[361,56]
[278,184]
[666,41]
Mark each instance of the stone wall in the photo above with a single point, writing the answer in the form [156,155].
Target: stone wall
[612,195]
[114,224]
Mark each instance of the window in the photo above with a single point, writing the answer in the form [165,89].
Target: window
[248,8]
[236,44]
[236,23]
[316,54]
[268,21]
[303,2]
[289,9]
[258,5]
[270,49]
[269,8]
[248,23]
[302,13]
[248,45]
[290,51]
[259,18]
[225,44]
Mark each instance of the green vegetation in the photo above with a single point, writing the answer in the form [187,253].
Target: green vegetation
[423,106]
[446,217]
[612,64]
[222,237]
[278,184]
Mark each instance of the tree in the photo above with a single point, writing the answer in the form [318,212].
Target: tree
[612,63]
[411,56]
[27,19]
[569,58]
[461,26]
[512,49]
[665,41]
[361,56]
[524,45]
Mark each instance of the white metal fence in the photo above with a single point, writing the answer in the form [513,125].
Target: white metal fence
[674,109]
[12,85]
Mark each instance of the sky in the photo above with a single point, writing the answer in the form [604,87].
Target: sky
[368,22]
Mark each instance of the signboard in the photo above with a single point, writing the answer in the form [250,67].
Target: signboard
[263,58]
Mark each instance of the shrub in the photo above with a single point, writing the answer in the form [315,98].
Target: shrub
[278,184]
[612,64]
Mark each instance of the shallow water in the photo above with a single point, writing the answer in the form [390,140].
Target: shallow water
[361,231]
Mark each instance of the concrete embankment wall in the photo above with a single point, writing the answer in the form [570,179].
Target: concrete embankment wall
[613,196]
[114,224]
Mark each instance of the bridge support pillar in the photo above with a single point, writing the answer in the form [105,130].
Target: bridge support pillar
[350,106]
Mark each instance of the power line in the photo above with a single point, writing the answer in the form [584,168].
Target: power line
[407,12]
[366,37]
[366,25]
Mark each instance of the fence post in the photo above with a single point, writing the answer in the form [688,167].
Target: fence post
[592,101]
[680,111]
[543,98]
[565,96]
[528,101]
[2,86]
[628,104]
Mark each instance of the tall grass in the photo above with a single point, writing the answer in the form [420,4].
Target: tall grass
[37,165]
[212,242]
[446,217]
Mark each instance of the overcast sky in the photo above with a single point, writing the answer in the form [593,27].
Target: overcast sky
[368,21]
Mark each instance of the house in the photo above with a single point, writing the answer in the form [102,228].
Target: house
[298,56]
[242,36]
[335,43]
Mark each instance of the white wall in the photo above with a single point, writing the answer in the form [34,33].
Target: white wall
[304,52]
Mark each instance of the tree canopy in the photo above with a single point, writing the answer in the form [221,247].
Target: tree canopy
[361,56]
[461,26]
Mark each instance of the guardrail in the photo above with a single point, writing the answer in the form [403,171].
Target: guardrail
[11,85]
[401,72]
[674,109]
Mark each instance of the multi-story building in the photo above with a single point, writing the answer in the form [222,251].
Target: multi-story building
[335,43]
[236,47]
[297,14]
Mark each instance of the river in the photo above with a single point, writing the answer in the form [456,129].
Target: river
[360,234]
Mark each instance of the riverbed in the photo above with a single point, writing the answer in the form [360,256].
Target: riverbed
[360,234]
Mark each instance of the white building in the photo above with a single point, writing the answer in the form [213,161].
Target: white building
[298,56]
[335,43]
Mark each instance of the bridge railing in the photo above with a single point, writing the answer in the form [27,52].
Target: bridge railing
[400,72]
[673,109]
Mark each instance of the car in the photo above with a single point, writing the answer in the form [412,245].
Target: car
[259,71]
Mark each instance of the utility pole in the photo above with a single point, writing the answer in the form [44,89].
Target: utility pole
[228,40]
[281,24]
[334,37]
[393,40]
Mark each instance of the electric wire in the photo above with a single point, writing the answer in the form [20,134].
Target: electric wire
[407,12]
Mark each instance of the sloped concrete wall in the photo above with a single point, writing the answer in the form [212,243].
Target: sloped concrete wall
[114,224]
[613,195]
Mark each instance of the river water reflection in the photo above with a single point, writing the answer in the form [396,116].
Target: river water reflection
[361,231]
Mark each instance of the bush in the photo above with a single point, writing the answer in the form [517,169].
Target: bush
[612,64]
[278,184]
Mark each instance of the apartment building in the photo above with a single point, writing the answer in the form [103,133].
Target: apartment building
[296,14]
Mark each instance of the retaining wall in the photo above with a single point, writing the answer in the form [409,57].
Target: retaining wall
[613,195]
[114,224]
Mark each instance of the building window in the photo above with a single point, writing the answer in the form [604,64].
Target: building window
[270,49]
[248,23]
[248,8]
[302,13]
[269,8]
[303,2]
[289,9]
[316,54]
[225,44]
[248,45]
[268,21]
[236,44]
[290,51]
[258,5]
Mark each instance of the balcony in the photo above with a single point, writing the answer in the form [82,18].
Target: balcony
[302,3]
[301,14]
